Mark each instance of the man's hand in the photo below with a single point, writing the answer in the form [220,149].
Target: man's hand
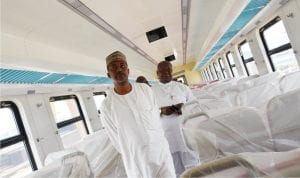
[174,109]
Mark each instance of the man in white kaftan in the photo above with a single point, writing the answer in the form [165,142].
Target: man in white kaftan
[130,116]
[171,96]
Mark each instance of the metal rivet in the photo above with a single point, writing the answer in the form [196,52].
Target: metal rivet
[290,15]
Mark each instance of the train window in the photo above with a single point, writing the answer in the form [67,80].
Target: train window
[231,64]
[205,75]
[278,47]
[98,98]
[15,153]
[212,73]
[181,79]
[221,64]
[218,70]
[247,58]
[202,75]
[209,74]
[69,119]
[215,71]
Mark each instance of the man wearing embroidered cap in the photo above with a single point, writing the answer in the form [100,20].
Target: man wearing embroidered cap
[130,116]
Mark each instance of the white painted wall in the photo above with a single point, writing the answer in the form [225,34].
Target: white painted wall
[47,137]
[211,67]
[90,111]
[238,61]
[226,66]
[256,47]
[290,15]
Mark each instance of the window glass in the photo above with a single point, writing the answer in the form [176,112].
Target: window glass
[72,133]
[98,100]
[278,47]
[205,74]
[218,70]
[285,61]
[64,109]
[276,36]
[247,58]
[246,52]
[222,68]
[221,63]
[181,80]
[14,161]
[251,66]
[69,119]
[230,58]
[209,73]
[235,72]
[212,72]
[8,126]
[16,158]
[231,64]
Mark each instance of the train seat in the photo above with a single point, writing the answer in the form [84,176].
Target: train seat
[259,164]
[267,78]
[73,164]
[239,130]
[245,79]
[283,113]
[290,82]
[103,158]
[257,95]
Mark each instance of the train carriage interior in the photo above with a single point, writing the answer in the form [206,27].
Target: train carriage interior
[240,58]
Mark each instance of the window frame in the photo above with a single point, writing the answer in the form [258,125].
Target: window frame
[230,65]
[212,77]
[184,79]
[99,93]
[213,72]
[202,76]
[22,137]
[222,69]
[72,120]
[276,50]
[214,65]
[209,74]
[245,61]
[205,76]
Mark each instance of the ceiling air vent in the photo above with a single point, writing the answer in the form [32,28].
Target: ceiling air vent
[156,34]
[170,58]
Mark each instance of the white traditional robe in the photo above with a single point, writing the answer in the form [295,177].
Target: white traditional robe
[132,123]
[169,94]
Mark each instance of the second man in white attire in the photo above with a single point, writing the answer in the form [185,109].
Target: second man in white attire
[171,96]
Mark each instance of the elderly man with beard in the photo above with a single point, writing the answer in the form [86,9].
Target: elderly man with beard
[171,96]
[130,116]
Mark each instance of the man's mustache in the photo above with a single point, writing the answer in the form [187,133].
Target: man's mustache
[120,73]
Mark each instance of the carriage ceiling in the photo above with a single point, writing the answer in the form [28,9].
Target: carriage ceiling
[73,37]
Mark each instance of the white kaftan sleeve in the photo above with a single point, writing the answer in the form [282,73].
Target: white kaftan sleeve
[110,127]
[189,94]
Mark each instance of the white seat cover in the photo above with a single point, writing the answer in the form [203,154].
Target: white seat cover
[290,82]
[258,95]
[283,116]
